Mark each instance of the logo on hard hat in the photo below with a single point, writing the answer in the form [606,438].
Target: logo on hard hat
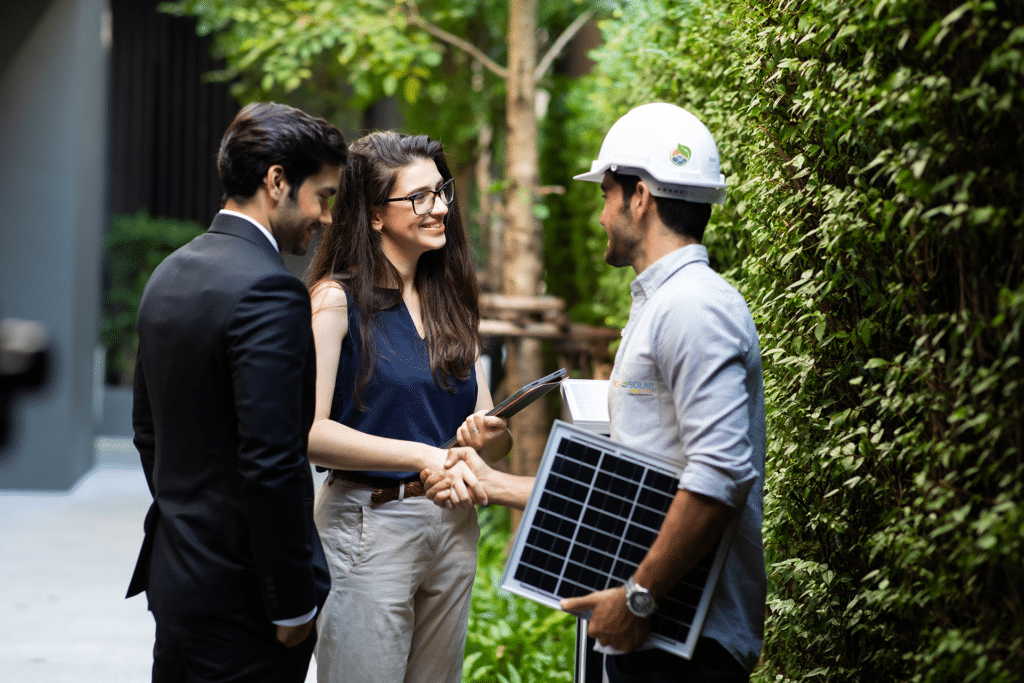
[680,155]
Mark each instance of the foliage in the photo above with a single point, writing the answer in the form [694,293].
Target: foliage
[898,376]
[339,58]
[276,43]
[875,225]
[512,639]
[665,68]
[573,239]
[135,246]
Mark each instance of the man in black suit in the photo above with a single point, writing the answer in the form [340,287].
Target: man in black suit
[224,387]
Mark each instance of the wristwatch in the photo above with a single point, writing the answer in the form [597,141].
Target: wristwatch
[639,600]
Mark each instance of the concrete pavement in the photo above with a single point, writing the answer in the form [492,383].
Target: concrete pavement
[65,562]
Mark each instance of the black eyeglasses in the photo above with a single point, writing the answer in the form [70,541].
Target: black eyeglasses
[423,202]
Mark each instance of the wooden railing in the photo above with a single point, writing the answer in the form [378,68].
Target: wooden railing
[583,348]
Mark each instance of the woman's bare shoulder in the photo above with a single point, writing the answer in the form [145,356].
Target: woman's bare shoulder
[328,293]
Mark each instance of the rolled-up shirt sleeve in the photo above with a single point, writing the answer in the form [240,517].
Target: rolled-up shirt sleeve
[701,351]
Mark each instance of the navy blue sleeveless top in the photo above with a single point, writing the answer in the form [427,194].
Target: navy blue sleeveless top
[402,399]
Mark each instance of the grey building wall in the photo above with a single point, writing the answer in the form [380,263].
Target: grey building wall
[52,193]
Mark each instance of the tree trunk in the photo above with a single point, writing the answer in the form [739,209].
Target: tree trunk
[490,232]
[523,268]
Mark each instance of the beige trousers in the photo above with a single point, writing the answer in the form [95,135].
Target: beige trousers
[401,584]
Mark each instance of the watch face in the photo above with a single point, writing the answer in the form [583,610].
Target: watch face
[642,604]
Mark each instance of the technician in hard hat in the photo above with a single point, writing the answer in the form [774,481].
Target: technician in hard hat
[686,383]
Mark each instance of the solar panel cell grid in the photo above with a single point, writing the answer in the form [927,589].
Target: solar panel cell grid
[561,505]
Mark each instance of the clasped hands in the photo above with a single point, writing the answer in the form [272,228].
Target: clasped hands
[462,481]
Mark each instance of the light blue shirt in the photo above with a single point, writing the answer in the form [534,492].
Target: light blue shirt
[687,384]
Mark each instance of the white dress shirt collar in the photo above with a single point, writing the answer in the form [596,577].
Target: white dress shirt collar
[256,223]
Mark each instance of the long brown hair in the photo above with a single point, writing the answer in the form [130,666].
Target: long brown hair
[350,252]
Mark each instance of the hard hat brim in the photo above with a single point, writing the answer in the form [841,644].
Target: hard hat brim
[590,177]
[700,193]
[595,175]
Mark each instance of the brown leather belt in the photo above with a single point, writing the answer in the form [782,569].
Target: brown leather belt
[383,494]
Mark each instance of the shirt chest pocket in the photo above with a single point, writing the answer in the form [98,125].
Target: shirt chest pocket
[640,399]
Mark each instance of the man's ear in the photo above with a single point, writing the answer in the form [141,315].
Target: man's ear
[275,183]
[642,199]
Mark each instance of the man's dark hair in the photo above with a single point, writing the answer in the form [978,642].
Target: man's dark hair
[266,133]
[681,216]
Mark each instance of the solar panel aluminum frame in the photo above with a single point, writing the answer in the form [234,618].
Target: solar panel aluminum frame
[650,462]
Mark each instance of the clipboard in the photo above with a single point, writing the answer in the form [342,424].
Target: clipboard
[522,398]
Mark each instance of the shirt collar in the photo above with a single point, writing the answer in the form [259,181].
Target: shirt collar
[654,276]
[256,223]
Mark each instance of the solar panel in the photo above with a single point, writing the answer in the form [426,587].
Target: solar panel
[595,510]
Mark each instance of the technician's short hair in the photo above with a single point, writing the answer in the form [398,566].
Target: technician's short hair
[681,216]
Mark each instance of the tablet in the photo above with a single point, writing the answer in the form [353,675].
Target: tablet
[522,398]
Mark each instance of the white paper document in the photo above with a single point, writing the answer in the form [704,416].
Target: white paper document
[587,403]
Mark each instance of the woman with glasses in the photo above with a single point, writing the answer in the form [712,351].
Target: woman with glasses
[395,322]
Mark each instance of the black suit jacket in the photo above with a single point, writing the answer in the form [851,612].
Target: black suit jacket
[224,391]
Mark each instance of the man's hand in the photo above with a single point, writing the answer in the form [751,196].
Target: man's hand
[611,622]
[466,490]
[290,636]
[435,483]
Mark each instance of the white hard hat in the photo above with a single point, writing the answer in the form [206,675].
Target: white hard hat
[668,148]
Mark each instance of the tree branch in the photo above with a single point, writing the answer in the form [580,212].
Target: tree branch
[557,47]
[472,50]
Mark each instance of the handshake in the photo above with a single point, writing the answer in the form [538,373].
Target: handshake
[465,478]
[462,483]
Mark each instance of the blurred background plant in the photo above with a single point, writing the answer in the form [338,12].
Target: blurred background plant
[135,246]
[512,639]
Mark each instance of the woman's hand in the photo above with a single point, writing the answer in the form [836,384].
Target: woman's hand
[481,430]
